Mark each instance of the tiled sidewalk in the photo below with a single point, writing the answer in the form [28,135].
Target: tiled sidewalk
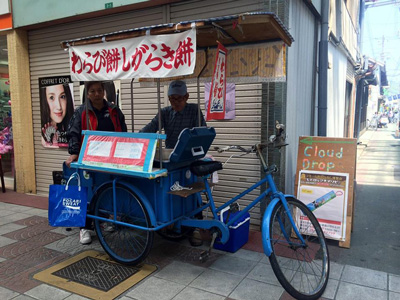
[28,245]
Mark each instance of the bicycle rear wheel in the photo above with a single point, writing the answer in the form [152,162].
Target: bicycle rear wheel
[122,243]
[302,270]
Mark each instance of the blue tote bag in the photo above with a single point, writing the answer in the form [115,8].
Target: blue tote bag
[68,204]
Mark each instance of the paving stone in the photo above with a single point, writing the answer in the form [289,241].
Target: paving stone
[195,294]
[216,282]
[331,289]
[46,292]
[23,281]
[32,220]
[232,265]
[6,212]
[36,257]
[13,207]
[336,270]
[248,255]
[44,238]
[4,241]
[264,273]
[180,272]
[37,212]
[366,277]
[394,283]
[29,232]
[76,297]
[63,231]
[23,297]
[10,227]
[192,255]
[71,245]
[351,291]
[13,218]
[255,290]
[16,249]
[6,294]
[394,296]
[9,268]
[155,288]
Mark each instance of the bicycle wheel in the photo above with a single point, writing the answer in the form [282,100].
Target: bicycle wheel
[302,270]
[122,243]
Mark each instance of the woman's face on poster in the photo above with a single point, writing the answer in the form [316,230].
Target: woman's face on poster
[57,101]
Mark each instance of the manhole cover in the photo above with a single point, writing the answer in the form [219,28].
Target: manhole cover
[96,273]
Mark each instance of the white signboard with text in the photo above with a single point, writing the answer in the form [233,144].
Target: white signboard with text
[149,56]
[325,194]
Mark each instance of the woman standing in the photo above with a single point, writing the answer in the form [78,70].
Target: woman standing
[95,114]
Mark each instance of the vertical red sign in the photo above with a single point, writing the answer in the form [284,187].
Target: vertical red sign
[216,104]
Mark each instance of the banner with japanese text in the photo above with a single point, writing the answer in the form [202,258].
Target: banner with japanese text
[149,56]
[326,195]
[216,103]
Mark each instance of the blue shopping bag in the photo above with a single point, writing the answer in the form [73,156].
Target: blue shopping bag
[68,204]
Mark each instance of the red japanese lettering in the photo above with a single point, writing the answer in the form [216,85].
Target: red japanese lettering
[112,58]
[87,65]
[169,55]
[99,61]
[76,63]
[183,53]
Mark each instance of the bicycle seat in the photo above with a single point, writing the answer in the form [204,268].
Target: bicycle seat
[203,168]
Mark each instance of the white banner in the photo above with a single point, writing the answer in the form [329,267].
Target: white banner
[150,56]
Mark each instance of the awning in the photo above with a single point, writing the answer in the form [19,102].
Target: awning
[247,28]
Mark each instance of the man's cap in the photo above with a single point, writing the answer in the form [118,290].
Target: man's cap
[177,87]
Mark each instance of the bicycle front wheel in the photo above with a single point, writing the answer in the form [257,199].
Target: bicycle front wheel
[124,244]
[302,269]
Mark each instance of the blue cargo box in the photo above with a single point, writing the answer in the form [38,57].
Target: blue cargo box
[238,233]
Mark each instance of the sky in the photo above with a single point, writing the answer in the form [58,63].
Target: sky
[381,40]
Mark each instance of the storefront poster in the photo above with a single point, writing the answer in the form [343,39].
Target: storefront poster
[56,110]
[325,193]
[216,108]
[149,56]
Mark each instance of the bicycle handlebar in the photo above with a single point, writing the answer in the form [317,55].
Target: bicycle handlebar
[277,141]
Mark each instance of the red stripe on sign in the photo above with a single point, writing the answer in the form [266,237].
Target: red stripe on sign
[323,221]
[329,222]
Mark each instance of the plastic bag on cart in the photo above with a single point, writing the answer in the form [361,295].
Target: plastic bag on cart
[67,204]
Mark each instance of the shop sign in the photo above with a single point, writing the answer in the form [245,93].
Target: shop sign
[326,195]
[216,103]
[149,56]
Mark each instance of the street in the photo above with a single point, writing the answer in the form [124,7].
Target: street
[375,240]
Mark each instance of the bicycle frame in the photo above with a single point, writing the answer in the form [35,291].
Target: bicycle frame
[187,220]
[275,196]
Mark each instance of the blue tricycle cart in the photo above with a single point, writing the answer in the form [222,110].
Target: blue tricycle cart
[166,192]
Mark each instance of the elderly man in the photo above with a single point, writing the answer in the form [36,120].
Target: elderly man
[178,116]
[175,118]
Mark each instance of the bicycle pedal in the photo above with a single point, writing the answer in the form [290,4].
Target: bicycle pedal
[204,256]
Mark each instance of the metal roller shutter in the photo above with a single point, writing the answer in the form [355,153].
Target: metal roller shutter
[48,59]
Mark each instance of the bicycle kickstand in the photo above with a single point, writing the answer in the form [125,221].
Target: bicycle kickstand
[204,255]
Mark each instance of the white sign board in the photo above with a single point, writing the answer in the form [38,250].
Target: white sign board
[325,194]
[149,56]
